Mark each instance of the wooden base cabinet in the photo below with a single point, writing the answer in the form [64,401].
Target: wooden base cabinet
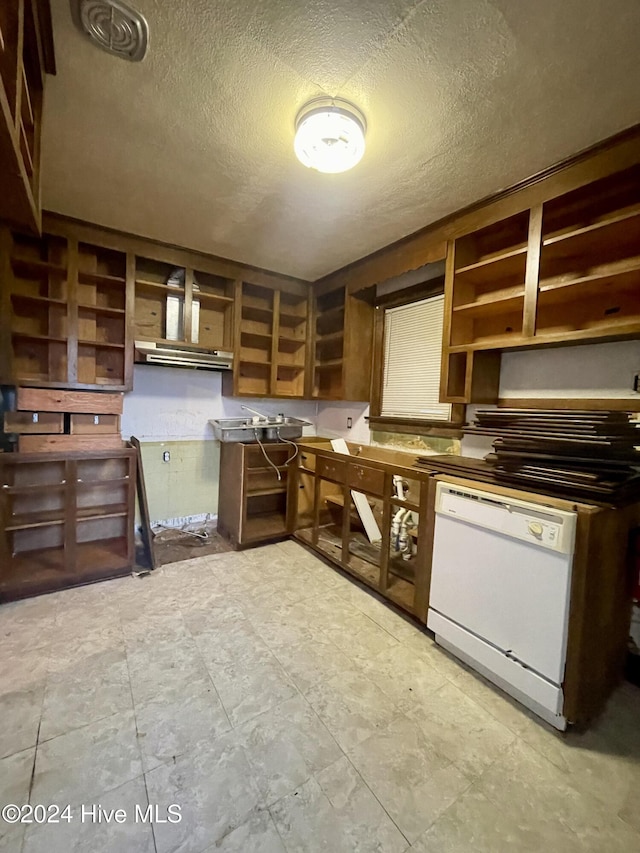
[252,507]
[66,519]
[322,514]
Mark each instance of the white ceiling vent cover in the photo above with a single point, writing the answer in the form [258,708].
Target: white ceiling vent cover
[113,26]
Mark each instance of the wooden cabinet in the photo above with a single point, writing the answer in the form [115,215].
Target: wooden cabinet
[65,313]
[66,519]
[565,271]
[271,353]
[182,305]
[252,506]
[322,515]
[343,345]
[26,55]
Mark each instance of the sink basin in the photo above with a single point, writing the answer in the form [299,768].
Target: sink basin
[262,429]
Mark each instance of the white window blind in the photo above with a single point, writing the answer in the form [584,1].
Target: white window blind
[412,355]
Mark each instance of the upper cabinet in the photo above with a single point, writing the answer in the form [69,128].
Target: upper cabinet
[64,319]
[272,328]
[342,345]
[26,55]
[564,271]
[182,305]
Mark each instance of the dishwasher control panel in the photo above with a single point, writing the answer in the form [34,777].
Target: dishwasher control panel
[549,528]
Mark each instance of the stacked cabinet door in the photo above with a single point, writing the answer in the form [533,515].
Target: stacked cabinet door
[67,519]
[65,312]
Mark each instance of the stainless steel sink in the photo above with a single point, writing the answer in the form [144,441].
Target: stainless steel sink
[262,429]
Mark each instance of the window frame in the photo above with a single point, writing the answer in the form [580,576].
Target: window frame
[419,426]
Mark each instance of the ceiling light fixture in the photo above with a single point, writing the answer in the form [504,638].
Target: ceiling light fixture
[329,135]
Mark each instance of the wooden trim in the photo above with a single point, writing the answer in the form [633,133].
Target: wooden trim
[275,332]
[110,238]
[6,276]
[532,273]
[613,404]
[81,402]
[42,13]
[72,311]
[129,329]
[449,275]
[414,293]
[310,348]
[187,308]
[377,368]
[445,429]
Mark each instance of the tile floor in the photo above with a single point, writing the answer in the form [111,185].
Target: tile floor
[284,709]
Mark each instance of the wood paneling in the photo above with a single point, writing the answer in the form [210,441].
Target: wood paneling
[53,400]
[71,443]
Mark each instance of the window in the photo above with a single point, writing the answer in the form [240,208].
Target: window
[411,364]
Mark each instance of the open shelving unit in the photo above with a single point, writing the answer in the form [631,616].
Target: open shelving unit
[566,271]
[271,341]
[68,519]
[66,304]
[26,55]
[342,345]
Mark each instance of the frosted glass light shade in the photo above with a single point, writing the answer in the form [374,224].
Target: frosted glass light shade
[329,136]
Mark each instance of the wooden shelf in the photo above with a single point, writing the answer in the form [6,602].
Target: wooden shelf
[33,489]
[496,258]
[618,218]
[254,362]
[499,302]
[101,555]
[266,526]
[31,266]
[145,284]
[291,320]
[212,298]
[26,521]
[45,300]
[329,365]
[626,278]
[250,312]
[255,340]
[100,344]
[330,338]
[273,490]
[101,483]
[292,368]
[104,511]
[101,309]
[34,337]
[100,278]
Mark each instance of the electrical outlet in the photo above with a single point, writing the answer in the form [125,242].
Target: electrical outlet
[166,456]
[636,383]
[349,423]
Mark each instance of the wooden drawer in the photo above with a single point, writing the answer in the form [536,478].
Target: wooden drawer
[276,453]
[53,400]
[308,460]
[95,424]
[332,469]
[33,422]
[364,479]
[70,443]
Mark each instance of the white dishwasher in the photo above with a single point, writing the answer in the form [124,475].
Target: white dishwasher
[499,596]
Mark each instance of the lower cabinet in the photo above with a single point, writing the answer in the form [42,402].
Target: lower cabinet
[252,506]
[66,519]
[387,543]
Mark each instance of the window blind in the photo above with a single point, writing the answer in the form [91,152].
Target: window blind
[412,356]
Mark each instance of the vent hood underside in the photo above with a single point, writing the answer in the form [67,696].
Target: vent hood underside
[151,353]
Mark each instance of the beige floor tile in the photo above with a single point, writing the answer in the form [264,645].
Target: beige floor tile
[352,707]
[28,625]
[84,832]
[215,790]
[156,670]
[82,764]
[251,685]
[20,712]
[360,638]
[281,626]
[180,721]
[473,824]
[83,691]
[256,835]
[310,661]
[15,778]
[285,746]
[413,782]
[404,678]
[460,729]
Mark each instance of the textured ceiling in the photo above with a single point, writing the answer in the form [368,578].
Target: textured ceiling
[462,98]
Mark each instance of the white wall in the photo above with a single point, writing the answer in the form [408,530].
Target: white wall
[176,404]
[332,421]
[602,370]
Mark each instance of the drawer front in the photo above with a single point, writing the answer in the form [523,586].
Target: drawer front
[33,422]
[95,424]
[308,460]
[364,479]
[53,400]
[332,469]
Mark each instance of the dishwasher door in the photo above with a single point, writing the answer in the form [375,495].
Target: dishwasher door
[501,570]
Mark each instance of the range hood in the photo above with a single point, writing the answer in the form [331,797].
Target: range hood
[147,352]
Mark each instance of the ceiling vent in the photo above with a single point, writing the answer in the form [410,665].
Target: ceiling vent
[112,26]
